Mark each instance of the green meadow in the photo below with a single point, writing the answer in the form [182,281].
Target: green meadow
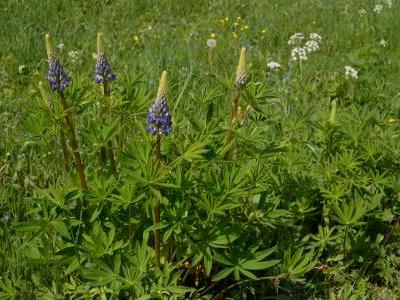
[221,149]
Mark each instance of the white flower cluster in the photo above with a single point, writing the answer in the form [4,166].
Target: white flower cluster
[350,72]
[74,55]
[383,43]
[301,51]
[296,39]
[380,5]
[273,66]
[211,43]
[378,8]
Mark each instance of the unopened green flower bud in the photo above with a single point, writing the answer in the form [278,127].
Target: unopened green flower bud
[332,118]
[241,73]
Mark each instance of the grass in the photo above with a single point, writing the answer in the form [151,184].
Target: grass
[304,206]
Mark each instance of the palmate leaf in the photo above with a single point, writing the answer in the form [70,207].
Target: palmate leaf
[350,213]
[192,152]
[243,263]
[298,263]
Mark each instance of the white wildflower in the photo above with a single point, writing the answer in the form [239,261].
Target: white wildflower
[311,46]
[273,65]
[315,37]
[211,43]
[299,53]
[21,68]
[378,8]
[389,3]
[60,46]
[350,72]
[296,38]
[74,54]
[362,12]
[383,43]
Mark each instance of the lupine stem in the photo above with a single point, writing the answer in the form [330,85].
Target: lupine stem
[64,149]
[110,152]
[74,144]
[156,209]
[233,119]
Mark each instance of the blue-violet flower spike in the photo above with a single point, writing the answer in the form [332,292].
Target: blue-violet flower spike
[103,68]
[56,76]
[159,117]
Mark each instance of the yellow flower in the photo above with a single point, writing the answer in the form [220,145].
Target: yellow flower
[213,35]
[136,38]
[238,19]
[234,35]
[246,27]
[226,19]
[236,24]
[264,31]
[392,120]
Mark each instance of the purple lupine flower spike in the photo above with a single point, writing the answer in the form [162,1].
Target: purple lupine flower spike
[56,76]
[159,117]
[103,68]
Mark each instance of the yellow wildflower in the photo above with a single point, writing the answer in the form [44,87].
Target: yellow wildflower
[234,35]
[136,38]
[213,35]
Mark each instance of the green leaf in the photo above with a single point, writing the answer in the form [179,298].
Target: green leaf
[222,274]
[259,265]
[61,228]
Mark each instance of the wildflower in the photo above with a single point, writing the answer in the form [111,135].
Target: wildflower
[159,117]
[378,8]
[263,31]
[241,74]
[299,53]
[56,75]
[211,43]
[350,72]
[246,27]
[136,38]
[311,46]
[383,43]
[213,35]
[6,218]
[60,46]
[234,35]
[315,37]
[103,69]
[74,54]
[296,38]
[392,120]
[362,12]
[21,69]
[389,3]
[273,65]
[226,19]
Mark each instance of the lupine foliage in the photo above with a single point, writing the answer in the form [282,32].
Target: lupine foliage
[294,195]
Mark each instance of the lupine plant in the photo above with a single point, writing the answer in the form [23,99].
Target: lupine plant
[159,124]
[59,81]
[104,76]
